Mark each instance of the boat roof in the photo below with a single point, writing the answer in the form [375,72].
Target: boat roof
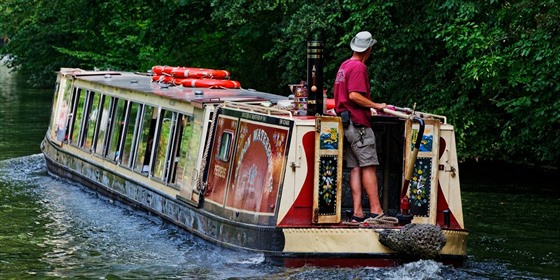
[142,82]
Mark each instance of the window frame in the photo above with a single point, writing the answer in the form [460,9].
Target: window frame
[225,148]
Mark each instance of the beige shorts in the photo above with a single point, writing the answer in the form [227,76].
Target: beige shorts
[360,149]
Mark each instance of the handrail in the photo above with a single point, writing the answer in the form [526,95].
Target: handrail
[395,113]
[413,112]
[271,111]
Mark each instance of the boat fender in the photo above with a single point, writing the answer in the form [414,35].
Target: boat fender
[423,241]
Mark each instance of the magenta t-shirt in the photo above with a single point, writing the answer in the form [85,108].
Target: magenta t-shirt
[352,76]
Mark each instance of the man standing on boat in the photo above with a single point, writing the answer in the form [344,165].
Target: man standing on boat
[353,103]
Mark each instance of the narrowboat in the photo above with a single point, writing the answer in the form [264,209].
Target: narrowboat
[256,171]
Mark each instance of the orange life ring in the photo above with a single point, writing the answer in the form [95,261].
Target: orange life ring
[162,79]
[208,83]
[158,70]
[190,82]
[190,72]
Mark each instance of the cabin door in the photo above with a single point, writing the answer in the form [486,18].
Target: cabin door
[327,190]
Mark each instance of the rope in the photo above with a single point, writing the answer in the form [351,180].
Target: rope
[198,182]
[380,221]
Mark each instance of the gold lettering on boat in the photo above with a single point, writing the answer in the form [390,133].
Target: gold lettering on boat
[220,171]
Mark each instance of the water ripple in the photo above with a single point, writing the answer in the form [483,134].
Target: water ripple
[55,228]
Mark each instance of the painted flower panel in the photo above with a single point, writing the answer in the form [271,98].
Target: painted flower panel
[420,187]
[327,184]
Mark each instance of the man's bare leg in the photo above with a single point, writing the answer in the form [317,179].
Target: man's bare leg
[356,186]
[369,180]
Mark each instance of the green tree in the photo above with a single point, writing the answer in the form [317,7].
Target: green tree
[34,27]
[491,66]
[506,57]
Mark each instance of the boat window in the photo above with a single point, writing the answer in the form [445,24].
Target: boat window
[92,119]
[78,112]
[116,127]
[65,110]
[146,139]
[55,108]
[225,146]
[175,148]
[55,124]
[61,110]
[189,136]
[71,115]
[161,162]
[132,119]
[103,125]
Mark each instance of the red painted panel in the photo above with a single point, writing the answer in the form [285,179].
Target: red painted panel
[441,206]
[442,146]
[342,262]
[258,167]
[372,260]
[442,203]
[219,168]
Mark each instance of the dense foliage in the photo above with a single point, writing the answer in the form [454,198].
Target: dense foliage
[491,66]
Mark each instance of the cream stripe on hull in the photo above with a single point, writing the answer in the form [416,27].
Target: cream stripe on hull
[356,240]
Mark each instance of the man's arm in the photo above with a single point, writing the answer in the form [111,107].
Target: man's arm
[361,100]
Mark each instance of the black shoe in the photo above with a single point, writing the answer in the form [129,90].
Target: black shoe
[373,215]
[358,219]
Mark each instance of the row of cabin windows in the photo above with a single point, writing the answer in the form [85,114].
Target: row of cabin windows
[149,140]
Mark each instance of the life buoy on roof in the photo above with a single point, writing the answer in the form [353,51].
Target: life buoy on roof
[190,72]
[162,79]
[208,83]
[189,82]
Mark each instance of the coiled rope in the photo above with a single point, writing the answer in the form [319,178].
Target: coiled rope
[381,221]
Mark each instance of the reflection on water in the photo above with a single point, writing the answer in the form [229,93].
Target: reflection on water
[24,115]
[521,230]
[54,228]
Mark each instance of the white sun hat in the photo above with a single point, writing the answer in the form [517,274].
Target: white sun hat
[362,41]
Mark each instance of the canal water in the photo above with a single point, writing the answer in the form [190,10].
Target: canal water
[51,228]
